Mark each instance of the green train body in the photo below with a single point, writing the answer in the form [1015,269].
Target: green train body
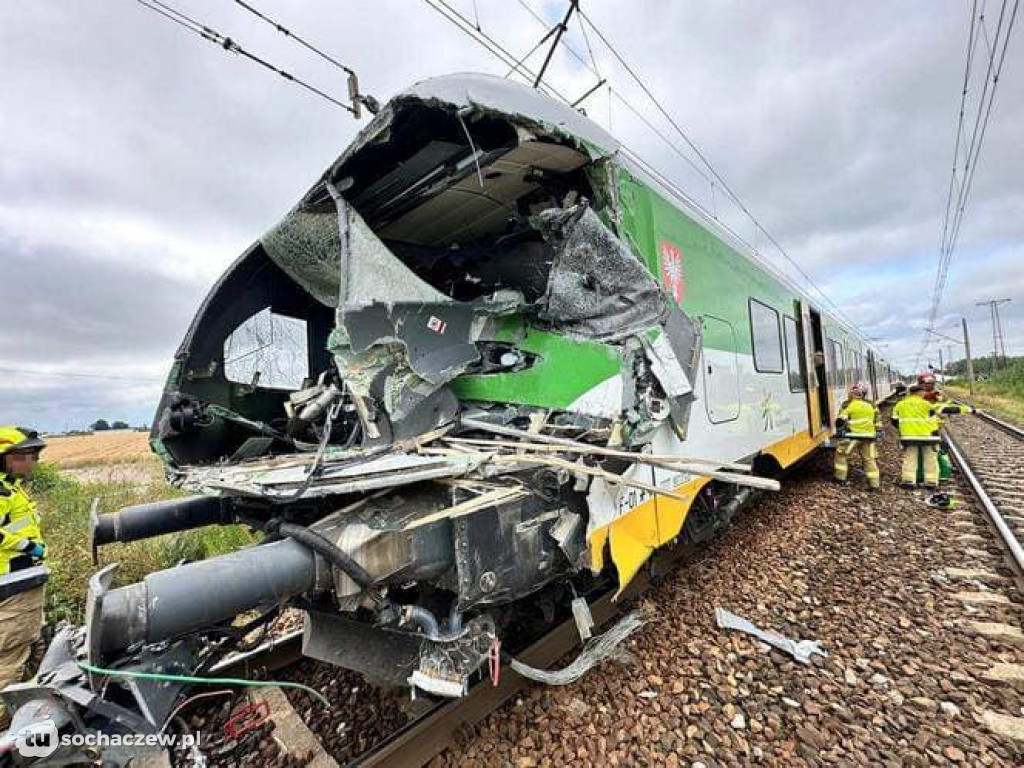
[488,363]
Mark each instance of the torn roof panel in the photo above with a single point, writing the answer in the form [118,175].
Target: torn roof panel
[466,89]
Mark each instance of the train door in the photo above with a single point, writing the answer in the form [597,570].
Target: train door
[721,370]
[819,398]
[873,376]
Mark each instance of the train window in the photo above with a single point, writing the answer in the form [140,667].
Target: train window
[794,364]
[835,355]
[767,342]
[269,351]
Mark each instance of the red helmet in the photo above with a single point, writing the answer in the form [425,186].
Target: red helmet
[926,379]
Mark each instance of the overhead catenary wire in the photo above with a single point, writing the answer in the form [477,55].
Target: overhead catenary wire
[453,16]
[231,46]
[939,283]
[722,183]
[980,133]
[489,44]
[291,35]
[951,227]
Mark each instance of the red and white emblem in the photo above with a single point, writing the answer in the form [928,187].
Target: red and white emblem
[436,324]
[672,269]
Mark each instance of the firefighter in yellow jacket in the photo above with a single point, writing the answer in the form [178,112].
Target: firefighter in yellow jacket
[858,429]
[21,546]
[918,421]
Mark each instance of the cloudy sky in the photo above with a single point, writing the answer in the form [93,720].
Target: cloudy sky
[138,160]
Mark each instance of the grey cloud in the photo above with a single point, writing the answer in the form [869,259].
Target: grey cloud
[834,123]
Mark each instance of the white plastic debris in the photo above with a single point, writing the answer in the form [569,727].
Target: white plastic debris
[801,650]
[599,649]
[584,619]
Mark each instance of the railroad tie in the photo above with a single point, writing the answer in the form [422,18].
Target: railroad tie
[292,734]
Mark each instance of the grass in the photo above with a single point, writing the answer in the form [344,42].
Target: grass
[1002,394]
[64,504]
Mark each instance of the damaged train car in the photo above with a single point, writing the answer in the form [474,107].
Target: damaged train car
[487,357]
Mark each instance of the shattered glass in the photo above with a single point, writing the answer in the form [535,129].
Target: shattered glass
[306,245]
[268,350]
[597,287]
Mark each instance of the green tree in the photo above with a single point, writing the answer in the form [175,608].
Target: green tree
[120,425]
[99,425]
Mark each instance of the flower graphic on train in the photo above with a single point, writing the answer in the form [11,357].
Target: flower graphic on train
[769,409]
[672,269]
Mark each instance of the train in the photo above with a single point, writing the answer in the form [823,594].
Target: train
[486,367]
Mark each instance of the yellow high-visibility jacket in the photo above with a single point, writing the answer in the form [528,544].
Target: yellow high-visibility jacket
[861,419]
[918,419]
[19,525]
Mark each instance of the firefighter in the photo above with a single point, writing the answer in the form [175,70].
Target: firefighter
[931,391]
[21,546]
[918,422]
[858,427]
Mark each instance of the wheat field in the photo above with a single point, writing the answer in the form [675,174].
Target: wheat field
[98,448]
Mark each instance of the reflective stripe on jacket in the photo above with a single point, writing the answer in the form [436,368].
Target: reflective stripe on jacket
[19,525]
[919,418]
[861,418]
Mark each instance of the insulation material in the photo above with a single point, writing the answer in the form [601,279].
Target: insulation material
[597,287]
[665,365]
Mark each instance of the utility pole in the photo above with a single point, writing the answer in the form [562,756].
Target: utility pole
[997,329]
[970,362]
[942,365]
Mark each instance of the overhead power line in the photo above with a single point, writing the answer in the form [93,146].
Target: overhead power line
[954,211]
[291,35]
[710,167]
[229,45]
[507,58]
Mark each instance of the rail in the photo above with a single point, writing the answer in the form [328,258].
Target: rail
[1006,533]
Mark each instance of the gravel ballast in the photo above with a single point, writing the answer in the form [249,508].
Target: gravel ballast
[864,574]
[878,578]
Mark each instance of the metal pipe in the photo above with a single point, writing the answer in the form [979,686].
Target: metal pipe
[425,620]
[201,594]
[143,521]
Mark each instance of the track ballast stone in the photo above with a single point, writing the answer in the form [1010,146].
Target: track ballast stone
[862,573]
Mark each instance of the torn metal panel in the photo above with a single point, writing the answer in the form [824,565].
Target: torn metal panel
[495,93]
[337,475]
[597,287]
[801,650]
[665,365]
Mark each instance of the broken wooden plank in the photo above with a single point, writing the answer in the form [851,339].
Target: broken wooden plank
[679,465]
[497,429]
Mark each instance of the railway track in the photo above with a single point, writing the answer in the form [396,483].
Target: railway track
[992,457]
[990,453]
[440,724]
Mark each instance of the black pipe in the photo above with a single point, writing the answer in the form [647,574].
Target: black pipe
[322,546]
[142,521]
[201,594]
